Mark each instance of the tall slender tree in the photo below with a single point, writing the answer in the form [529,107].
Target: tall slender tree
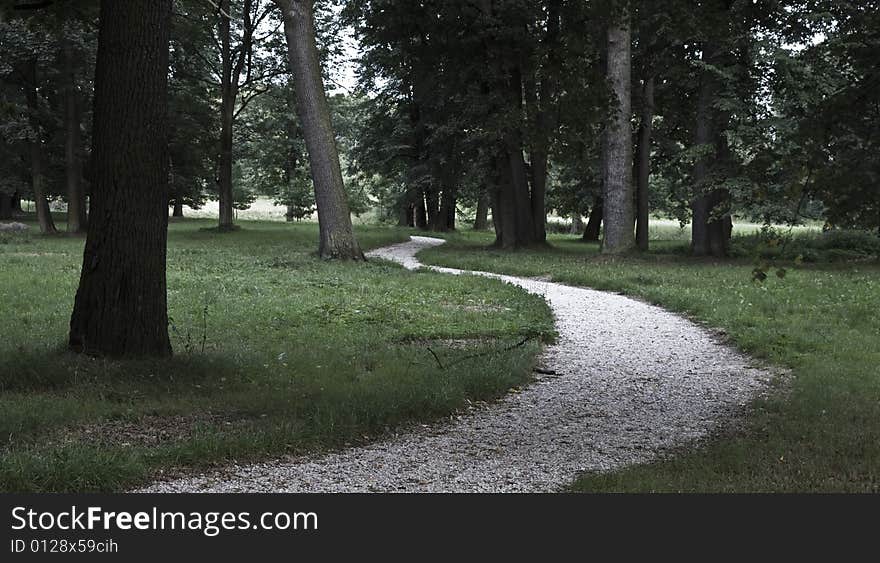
[337,238]
[618,201]
[121,304]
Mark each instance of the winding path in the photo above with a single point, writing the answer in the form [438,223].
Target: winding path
[632,381]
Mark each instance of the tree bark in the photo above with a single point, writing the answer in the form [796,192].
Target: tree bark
[178,208]
[709,228]
[619,215]
[334,216]
[38,178]
[644,163]
[481,222]
[594,222]
[5,206]
[231,69]
[421,212]
[121,304]
[76,201]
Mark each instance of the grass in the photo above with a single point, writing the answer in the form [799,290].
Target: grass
[820,433]
[276,352]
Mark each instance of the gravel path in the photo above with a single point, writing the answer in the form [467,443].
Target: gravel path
[632,381]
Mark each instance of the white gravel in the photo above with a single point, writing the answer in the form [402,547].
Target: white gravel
[632,381]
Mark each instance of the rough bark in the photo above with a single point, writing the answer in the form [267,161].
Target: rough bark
[594,222]
[38,178]
[481,222]
[619,215]
[120,306]
[334,216]
[644,163]
[76,201]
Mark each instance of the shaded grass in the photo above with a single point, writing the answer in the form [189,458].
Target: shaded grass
[821,434]
[302,353]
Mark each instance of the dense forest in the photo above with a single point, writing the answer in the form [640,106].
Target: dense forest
[493,112]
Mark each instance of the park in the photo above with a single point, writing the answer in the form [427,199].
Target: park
[492,246]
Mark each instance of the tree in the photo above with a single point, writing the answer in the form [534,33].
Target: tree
[334,216]
[617,163]
[121,303]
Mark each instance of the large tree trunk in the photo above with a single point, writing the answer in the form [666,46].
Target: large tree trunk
[481,222]
[619,215]
[120,307]
[644,163]
[178,209]
[38,178]
[76,201]
[594,222]
[334,216]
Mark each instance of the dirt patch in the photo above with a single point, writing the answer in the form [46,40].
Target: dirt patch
[150,430]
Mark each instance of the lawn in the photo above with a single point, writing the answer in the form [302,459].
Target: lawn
[820,430]
[276,352]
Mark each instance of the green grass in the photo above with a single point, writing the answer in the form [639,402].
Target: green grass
[819,432]
[276,352]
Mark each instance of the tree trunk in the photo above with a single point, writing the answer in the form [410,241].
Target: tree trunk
[539,194]
[421,212]
[594,222]
[644,163]
[619,215]
[224,172]
[481,223]
[121,304]
[334,216]
[76,201]
[5,206]
[38,179]
[577,224]
[228,93]
[178,208]
[708,230]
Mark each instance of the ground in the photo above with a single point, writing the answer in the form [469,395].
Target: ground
[276,351]
[279,352]
[819,432]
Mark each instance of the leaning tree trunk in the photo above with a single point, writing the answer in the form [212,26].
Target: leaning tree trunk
[619,215]
[334,216]
[120,307]
[644,164]
[594,222]
[38,177]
